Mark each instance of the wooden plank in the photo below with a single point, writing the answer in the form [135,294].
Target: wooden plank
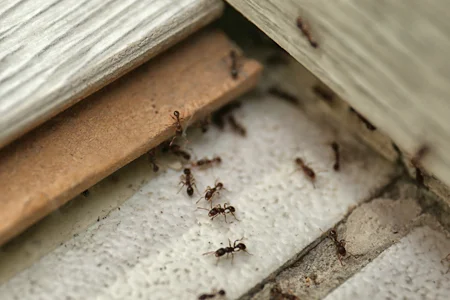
[71,152]
[388,59]
[55,52]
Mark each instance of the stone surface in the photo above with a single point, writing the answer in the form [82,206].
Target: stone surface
[410,269]
[152,247]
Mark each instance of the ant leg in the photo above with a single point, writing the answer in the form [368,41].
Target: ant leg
[235,217]
[196,189]
[340,260]
[229,243]
[217,261]
[199,200]
[173,139]
[225,215]
[183,185]
[232,257]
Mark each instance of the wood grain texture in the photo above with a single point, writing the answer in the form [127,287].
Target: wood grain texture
[79,147]
[388,59]
[55,52]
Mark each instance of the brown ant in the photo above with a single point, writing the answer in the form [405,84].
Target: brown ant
[304,27]
[219,210]
[152,160]
[229,250]
[363,119]
[307,170]
[187,179]
[277,92]
[340,245]
[234,72]
[236,126]
[277,294]
[218,116]
[335,147]
[323,93]
[206,162]
[220,293]
[178,127]
[176,150]
[211,191]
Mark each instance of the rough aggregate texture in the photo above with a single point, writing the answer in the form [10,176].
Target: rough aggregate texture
[410,269]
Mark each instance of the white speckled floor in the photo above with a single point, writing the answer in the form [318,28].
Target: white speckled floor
[152,247]
[410,269]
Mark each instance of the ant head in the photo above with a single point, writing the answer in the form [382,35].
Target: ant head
[187,171]
[241,246]
[231,208]
[299,161]
[220,252]
[221,293]
[335,146]
[219,185]
[218,159]
[190,191]
[333,234]
[176,113]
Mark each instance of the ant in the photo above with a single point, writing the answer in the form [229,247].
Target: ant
[206,162]
[220,293]
[323,93]
[86,193]
[306,32]
[340,245]
[307,170]
[152,160]
[211,191]
[234,72]
[335,147]
[218,116]
[277,294]
[236,126]
[277,92]
[219,210]
[176,149]
[229,250]
[187,179]
[415,161]
[363,119]
[178,127]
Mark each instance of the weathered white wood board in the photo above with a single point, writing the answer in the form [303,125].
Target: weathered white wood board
[54,52]
[388,59]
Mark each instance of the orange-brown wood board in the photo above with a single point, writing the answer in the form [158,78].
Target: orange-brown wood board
[76,149]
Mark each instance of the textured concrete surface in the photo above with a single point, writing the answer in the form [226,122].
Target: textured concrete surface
[410,269]
[152,247]
[369,229]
